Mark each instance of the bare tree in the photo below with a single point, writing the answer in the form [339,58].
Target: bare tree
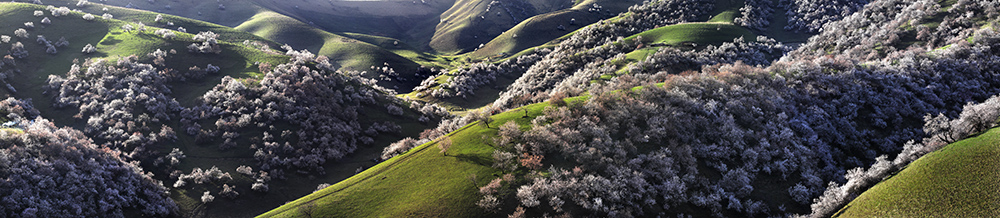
[308,209]
[474,179]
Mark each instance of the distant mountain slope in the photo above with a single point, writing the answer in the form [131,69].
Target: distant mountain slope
[959,180]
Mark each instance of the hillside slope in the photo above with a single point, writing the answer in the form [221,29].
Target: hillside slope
[423,182]
[48,79]
[959,180]
[777,135]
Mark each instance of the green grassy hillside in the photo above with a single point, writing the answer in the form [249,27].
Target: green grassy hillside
[420,183]
[688,35]
[959,180]
[698,33]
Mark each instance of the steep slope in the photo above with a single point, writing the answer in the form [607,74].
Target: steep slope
[959,180]
[112,42]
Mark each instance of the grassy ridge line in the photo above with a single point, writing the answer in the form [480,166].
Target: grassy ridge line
[193,26]
[701,33]
[453,25]
[345,52]
[405,50]
[959,180]
[418,183]
[285,29]
[541,29]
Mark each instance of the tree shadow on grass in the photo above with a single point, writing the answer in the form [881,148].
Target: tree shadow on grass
[110,41]
[477,159]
